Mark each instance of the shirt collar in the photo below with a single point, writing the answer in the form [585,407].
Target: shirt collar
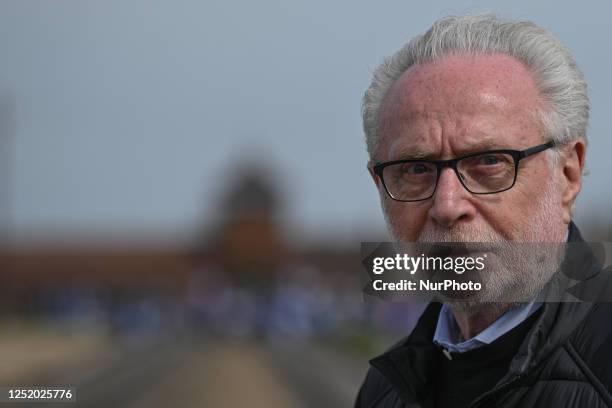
[448,335]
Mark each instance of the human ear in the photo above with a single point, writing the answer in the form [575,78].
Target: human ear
[573,165]
[373,175]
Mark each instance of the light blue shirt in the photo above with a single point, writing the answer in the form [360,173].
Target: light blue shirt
[449,337]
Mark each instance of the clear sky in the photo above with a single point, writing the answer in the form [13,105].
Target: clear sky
[127,115]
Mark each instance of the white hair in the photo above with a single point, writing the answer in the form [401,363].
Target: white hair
[560,82]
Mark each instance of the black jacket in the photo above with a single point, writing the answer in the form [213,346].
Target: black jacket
[565,360]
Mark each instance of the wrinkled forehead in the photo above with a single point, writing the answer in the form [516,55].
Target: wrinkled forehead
[471,97]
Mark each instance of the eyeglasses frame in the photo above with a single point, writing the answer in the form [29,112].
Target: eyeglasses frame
[517,155]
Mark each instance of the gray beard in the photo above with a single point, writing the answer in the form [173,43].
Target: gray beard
[520,271]
[518,275]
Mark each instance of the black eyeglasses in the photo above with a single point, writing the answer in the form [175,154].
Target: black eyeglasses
[487,172]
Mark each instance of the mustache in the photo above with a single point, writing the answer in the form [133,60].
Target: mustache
[464,233]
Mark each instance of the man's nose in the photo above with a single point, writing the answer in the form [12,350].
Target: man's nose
[451,202]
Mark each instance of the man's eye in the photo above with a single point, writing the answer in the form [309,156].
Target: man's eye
[416,168]
[489,160]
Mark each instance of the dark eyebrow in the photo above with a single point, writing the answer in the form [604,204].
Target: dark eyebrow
[482,146]
[418,153]
[415,153]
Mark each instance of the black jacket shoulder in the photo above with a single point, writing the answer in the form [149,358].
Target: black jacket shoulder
[590,346]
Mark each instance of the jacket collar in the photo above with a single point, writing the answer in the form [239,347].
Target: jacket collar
[410,365]
[558,319]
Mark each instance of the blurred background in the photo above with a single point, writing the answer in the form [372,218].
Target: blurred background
[183,193]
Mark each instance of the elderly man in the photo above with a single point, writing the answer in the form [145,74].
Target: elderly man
[476,132]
